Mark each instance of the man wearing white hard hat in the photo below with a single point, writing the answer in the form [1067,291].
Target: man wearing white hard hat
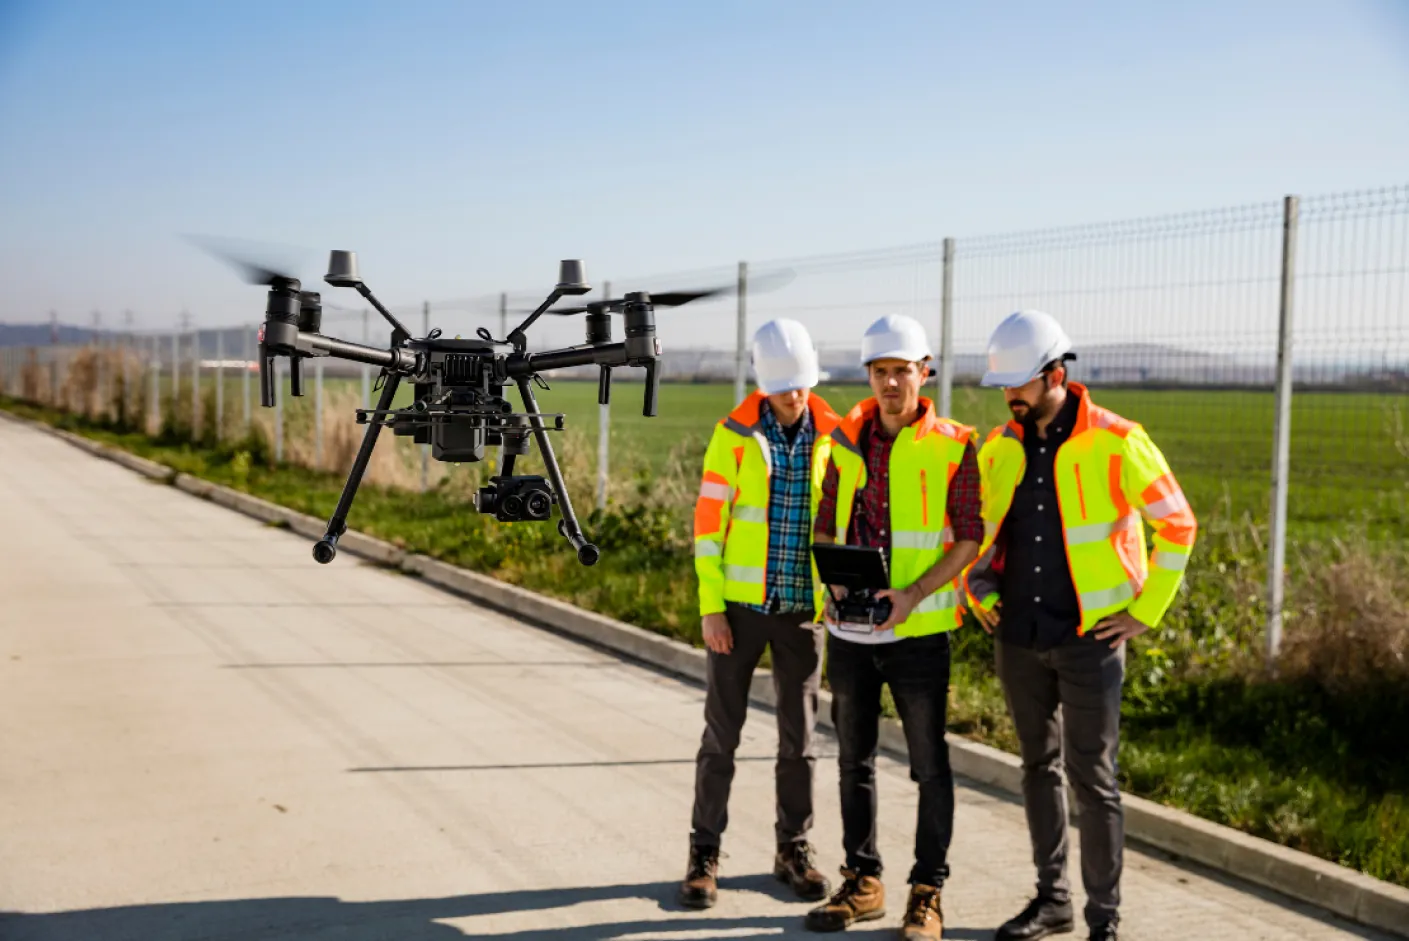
[753,534]
[1063,581]
[902,478]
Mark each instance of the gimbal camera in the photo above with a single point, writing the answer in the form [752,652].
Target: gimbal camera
[459,407]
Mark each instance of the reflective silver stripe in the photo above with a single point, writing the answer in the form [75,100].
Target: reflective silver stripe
[708,547]
[749,574]
[840,438]
[920,539]
[712,490]
[939,601]
[737,428]
[750,514]
[1170,504]
[1173,561]
[1108,596]
[1095,532]
[1010,433]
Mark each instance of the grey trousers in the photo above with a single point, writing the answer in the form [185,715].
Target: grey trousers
[797,669]
[1065,704]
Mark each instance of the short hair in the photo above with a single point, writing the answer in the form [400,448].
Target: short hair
[1060,362]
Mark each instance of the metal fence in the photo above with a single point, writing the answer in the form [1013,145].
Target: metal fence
[1265,347]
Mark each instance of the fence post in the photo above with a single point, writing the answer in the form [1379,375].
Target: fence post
[154,403]
[503,315]
[245,375]
[604,432]
[54,358]
[195,384]
[425,448]
[741,360]
[318,413]
[175,374]
[366,370]
[1281,435]
[219,385]
[946,333]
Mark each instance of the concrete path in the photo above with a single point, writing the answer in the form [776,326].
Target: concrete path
[206,735]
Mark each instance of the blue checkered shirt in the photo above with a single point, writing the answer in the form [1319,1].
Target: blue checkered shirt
[788,580]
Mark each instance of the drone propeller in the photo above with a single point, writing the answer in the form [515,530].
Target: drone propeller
[675,298]
[257,263]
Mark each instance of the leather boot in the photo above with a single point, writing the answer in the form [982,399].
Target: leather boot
[795,866]
[1041,918]
[860,898]
[924,919]
[700,888]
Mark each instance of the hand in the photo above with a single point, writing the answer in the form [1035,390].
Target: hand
[717,636]
[902,604]
[989,619]
[1119,628]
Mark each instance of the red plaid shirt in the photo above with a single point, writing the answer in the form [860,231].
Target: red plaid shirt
[870,515]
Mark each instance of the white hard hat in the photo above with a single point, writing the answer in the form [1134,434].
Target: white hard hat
[895,336]
[784,357]
[1021,345]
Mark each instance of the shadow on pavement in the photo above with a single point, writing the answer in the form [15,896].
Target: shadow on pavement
[318,917]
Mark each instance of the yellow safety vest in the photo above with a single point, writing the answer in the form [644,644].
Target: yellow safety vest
[1110,478]
[923,460]
[731,513]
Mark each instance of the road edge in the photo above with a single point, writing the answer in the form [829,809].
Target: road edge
[1300,876]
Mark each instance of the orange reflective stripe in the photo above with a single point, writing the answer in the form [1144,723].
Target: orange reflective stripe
[1122,506]
[924,500]
[1165,503]
[1080,490]
[708,516]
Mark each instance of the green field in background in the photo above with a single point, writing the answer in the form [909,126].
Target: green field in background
[1349,452]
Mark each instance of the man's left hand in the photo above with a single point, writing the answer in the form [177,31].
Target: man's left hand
[1119,628]
[902,605]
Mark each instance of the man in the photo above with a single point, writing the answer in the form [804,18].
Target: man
[753,525]
[1066,485]
[905,479]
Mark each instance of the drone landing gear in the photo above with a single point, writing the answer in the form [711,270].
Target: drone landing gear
[568,526]
[326,548]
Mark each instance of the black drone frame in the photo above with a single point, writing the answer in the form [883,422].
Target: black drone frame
[459,408]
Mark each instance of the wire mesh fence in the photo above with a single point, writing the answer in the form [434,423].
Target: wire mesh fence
[1175,321]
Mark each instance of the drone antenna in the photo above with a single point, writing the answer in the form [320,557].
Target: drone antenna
[342,273]
[571,280]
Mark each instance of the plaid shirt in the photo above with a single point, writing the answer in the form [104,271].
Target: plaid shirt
[789,573]
[870,514]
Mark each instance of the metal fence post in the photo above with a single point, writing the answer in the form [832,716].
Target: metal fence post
[604,432]
[219,385]
[503,315]
[195,385]
[245,376]
[154,387]
[425,448]
[175,374]
[318,413]
[1281,436]
[54,358]
[946,333]
[741,360]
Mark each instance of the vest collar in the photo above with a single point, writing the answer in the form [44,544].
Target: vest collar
[748,413]
[865,410]
[1083,412]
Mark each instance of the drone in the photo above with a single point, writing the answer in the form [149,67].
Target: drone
[459,407]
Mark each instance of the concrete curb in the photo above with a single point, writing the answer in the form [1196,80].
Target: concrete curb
[1303,877]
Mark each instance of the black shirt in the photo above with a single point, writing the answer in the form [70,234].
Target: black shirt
[1039,600]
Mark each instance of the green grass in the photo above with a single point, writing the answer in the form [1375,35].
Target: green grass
[1287,760]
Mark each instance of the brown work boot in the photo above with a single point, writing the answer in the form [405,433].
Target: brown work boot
[700,889]
[924,919]
[860,898]
[795,865]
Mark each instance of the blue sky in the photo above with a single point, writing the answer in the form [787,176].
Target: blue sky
[463,148]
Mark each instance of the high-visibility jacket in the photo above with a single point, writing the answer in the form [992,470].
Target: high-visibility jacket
[731,513]
[1110,479]
[923,460]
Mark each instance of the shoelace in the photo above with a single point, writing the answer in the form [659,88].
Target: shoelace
[700,864]
[805,855]
[850,886]
[920,908]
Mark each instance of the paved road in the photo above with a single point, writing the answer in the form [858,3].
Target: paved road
[206,735]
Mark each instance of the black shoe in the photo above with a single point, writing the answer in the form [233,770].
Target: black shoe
[1104,932]
[700,887]
[1041,918]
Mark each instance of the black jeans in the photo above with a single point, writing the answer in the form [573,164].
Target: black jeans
[797,676]
[1065,704]
[917,671]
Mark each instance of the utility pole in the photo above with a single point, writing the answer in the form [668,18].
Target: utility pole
[741,358]
[1281,435]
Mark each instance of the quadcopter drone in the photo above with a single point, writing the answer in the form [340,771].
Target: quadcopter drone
[459,408]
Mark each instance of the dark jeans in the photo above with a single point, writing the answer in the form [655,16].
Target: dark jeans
[917,671]
[1065,704]
[797,671]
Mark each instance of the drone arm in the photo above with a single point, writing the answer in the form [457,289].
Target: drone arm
[587,553]
[367,293]
[327,547]
[397,360]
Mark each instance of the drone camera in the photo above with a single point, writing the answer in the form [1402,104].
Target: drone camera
[516,499]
